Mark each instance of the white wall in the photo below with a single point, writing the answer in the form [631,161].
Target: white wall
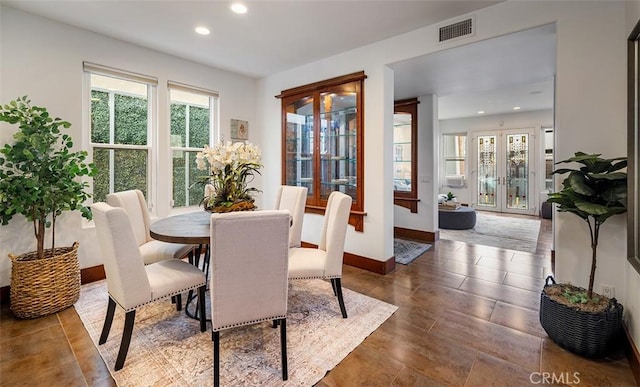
[43,59]
[496,122]
[425,218]
[631,277]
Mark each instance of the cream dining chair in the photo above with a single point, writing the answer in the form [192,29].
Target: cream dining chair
[325,261]
[293,199]
[134,203]
[130,282]
[248,282]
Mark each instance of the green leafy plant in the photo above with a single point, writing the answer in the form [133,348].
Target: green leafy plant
[450,196]
[39,174]
[594,192]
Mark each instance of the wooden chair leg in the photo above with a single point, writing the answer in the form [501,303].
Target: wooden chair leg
[215,336]
[106,327]
[129,319]
[283,347]
[338,288]
[202,304]
[333,286]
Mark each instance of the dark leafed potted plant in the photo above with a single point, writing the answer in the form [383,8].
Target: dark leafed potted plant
[579,319]
[40,179]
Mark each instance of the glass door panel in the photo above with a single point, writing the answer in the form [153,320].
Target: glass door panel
[487,171]
[338,143]
[504,162]
[299,151]
[517,166]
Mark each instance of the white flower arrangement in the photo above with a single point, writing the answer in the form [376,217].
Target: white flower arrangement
[230,165]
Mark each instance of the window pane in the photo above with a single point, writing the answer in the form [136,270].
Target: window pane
[99,117]
[101,179]
[130,120]
[185,192]
[198,127]
[178,125]
[130,170]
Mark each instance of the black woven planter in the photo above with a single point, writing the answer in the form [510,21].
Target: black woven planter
[586,334]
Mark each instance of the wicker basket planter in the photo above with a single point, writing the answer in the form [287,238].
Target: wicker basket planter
[584,333]
[40,287]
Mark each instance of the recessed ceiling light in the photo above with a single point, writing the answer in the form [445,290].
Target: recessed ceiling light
[480,111]
[203,30]
[516,108]
[239,8]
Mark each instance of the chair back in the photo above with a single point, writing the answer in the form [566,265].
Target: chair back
[293,199]
[334,230]
[249,266]
[127,279]
[134,203]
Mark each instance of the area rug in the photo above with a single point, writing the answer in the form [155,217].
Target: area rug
[406,251]
[514,233]
[168,349]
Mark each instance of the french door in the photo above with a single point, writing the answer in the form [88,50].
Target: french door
[504,177]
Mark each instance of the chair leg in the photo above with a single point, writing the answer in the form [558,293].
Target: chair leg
[106,327]
[333,286]
[129,319]
[202,305]
[178,298]
[283,347]
[215,336]
[337,285]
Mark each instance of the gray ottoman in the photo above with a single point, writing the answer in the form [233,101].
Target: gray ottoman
[462,218]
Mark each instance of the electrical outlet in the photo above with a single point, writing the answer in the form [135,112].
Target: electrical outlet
[608,291]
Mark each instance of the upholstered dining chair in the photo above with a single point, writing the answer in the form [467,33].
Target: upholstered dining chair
[134,203]
[130,282]
[293,199]
[248,282]
[325,261]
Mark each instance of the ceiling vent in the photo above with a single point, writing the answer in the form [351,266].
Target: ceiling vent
[459,29]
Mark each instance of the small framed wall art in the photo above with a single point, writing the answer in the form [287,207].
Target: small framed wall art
[239,129]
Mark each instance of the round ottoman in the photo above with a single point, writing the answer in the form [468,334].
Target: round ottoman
[462,218]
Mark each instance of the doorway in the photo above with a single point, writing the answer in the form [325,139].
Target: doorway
[504,176]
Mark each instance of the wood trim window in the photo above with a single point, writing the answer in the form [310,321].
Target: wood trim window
[405,159]
[322,141]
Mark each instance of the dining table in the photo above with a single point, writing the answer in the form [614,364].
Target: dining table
[192,228]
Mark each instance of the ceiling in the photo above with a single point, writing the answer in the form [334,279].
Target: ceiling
[275,36]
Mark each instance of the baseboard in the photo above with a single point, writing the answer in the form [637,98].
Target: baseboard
[632,354]
[368,264]
[87,275]
[418,235]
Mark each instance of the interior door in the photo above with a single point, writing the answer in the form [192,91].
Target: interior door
[504,176]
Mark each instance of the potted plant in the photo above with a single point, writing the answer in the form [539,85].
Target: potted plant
[578,319]
[231,168]
[39,179]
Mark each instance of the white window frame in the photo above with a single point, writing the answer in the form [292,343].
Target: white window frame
[214,131]
[446,158]
[152,122]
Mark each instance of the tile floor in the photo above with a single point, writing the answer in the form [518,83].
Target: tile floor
[467,317]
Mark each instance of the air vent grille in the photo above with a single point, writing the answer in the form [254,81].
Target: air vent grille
[456,30]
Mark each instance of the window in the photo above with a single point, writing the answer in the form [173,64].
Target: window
[122,119]
[455,159]
[192,116]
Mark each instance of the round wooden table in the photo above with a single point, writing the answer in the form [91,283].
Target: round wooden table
[192,228]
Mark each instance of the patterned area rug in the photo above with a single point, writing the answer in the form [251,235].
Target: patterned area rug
[499,231]
[168,349]
[406,251]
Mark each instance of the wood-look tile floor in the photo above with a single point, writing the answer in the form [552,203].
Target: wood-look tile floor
[467,316]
